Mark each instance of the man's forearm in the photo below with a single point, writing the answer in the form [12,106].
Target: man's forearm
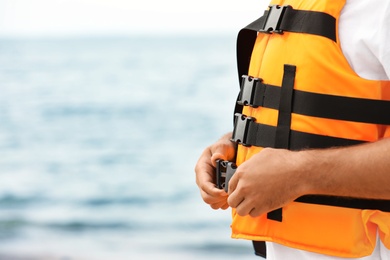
[360,171]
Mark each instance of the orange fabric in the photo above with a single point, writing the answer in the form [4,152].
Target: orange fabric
[321,68]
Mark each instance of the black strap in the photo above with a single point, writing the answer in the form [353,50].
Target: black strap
[342,108]
[310,22]
[346,202]
[283,129]
[245,42]
[260,248]
[315,104]
[262,135]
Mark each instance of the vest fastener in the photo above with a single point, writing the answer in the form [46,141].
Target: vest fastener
[223,172]
[241,127]
[252,92]
[274,17]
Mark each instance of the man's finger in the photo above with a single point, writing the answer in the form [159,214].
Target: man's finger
[244,208]
[232,185]
[235,199]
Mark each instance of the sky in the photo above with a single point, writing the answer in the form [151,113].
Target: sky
[99,17]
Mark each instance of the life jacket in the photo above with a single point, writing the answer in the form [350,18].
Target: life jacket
[300,92]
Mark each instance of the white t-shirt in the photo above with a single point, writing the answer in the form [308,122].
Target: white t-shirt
[364,32]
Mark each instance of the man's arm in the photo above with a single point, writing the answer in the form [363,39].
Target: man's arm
[275,177]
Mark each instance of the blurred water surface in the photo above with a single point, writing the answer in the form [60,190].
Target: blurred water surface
[98,141]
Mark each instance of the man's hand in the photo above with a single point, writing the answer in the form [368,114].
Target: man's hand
[267,181]
[273,178]
[205,171]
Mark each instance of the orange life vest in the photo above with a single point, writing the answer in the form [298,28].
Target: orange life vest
[302,93]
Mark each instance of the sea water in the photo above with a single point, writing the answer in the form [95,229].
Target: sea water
[98,142]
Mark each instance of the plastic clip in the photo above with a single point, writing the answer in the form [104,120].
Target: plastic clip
[274,19]
[224,171]
[241,127]
[248,90]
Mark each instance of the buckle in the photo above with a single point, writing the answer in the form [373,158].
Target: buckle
[241,127]
[248,90]
[274,19]
[223,172]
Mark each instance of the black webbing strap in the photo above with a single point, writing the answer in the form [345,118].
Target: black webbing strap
[282,139]
[283,128]
[260,248]
[342,108]
[256,93]
[346,202]
[263,135]
[245,42]
[310,22]
[278,19]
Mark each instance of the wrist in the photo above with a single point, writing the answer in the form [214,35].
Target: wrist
[321,171]
[311,166]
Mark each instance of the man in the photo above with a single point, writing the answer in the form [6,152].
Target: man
[313,180]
